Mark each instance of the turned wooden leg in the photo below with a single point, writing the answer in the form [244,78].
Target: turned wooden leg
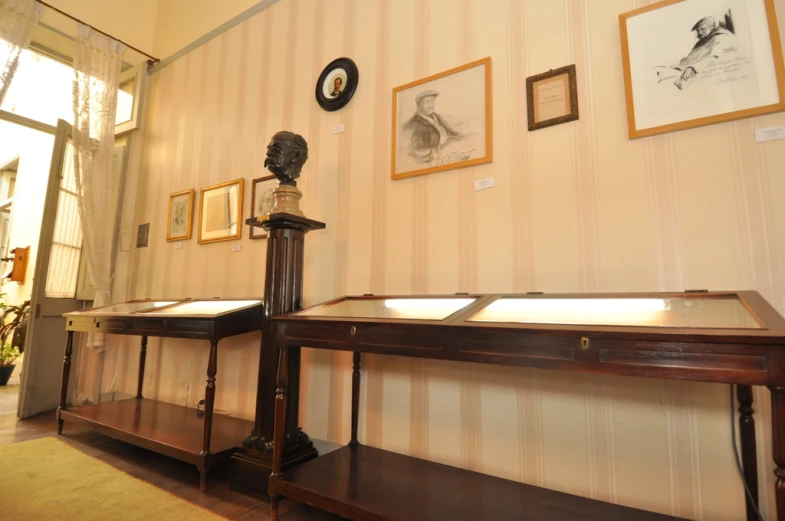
[209,403]
[69,349]
[749,449]
[142,358]
[778,439]
[355,397]
[280,427]
[202,479]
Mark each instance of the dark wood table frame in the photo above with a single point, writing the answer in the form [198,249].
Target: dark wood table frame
[364,483]
[179,432]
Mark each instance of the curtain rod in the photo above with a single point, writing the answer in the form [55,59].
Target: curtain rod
[152,59]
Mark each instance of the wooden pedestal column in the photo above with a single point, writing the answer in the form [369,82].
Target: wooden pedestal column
[283,292]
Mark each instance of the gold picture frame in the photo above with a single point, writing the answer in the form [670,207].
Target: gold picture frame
[261,202]
[458,133]
[552,97]
[180,216]
[221,212]
[735,69]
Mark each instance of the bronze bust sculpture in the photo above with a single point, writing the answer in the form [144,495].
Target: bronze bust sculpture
[286,155]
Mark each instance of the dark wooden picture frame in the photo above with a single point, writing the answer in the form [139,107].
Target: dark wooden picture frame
[255,231]
[343,69]
[568,94]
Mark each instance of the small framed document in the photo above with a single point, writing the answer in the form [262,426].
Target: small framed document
[552,98]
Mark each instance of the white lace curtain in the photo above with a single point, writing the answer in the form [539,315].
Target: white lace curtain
[96,79]
[18,20]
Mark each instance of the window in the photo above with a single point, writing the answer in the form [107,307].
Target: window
[42,90]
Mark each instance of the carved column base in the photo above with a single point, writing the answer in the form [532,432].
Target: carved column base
[250,468]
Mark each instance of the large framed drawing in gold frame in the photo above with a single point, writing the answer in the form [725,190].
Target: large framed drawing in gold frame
[221,212]
[444,121]
[699,62]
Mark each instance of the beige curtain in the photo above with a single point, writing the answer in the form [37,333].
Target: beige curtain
[18,20]
[97,65]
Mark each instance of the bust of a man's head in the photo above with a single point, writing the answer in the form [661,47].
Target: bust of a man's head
[286,155]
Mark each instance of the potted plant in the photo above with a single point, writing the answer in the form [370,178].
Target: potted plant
[8,354]
[16,329]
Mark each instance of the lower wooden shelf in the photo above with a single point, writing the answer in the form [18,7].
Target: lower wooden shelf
[173,430]
[368,484]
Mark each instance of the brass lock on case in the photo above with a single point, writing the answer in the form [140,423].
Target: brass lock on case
[585,343]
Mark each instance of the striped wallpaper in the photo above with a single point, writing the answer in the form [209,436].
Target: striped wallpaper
[577,207]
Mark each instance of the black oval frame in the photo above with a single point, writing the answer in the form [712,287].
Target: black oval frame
[352,79]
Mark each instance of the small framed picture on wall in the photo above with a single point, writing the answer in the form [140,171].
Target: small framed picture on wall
[220,212]
[262,202]
[552,98]
[181,210]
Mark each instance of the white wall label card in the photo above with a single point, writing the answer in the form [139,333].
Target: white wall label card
[236,248]
[482,184]
[770,134]
[337,129]
[178,245]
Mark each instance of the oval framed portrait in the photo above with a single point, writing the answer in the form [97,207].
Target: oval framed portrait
[336,84]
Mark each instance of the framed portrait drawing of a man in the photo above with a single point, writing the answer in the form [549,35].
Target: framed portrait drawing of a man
[552,97]
[221,212]
[181,209]
[693,63]
[336,84]
[261,202]
[443,121]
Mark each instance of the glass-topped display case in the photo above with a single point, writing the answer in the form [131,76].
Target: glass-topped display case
[724,337]
[183,308]
[208,319]
[719,311]
[188,434]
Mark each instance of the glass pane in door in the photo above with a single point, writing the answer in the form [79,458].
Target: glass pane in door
[66,252]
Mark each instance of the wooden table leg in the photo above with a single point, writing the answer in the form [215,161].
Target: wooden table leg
[355,398]
[209,402]
[69,348]
[280,425]
[778,439]
[749,449]
[142,358]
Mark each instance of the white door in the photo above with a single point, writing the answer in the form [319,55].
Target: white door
[54,284]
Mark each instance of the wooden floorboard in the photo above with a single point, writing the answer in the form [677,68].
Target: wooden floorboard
[178,478]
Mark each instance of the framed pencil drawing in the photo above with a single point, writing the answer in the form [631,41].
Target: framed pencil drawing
[181,210]
[552,98]
[444,121]
[261,202]
[221,212]
[693,63]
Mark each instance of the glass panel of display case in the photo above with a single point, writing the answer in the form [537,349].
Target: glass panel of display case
[203,307]
[129,307]
[721,312]
[406,308]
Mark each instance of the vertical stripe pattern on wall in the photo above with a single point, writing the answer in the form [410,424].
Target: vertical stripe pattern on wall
[307,184]
[418,433]
[381,113]
[342,360]
[577,207]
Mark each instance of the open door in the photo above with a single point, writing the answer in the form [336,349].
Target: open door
[54,283]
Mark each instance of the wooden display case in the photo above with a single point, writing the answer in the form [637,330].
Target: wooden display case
[198,437]
[730,337]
